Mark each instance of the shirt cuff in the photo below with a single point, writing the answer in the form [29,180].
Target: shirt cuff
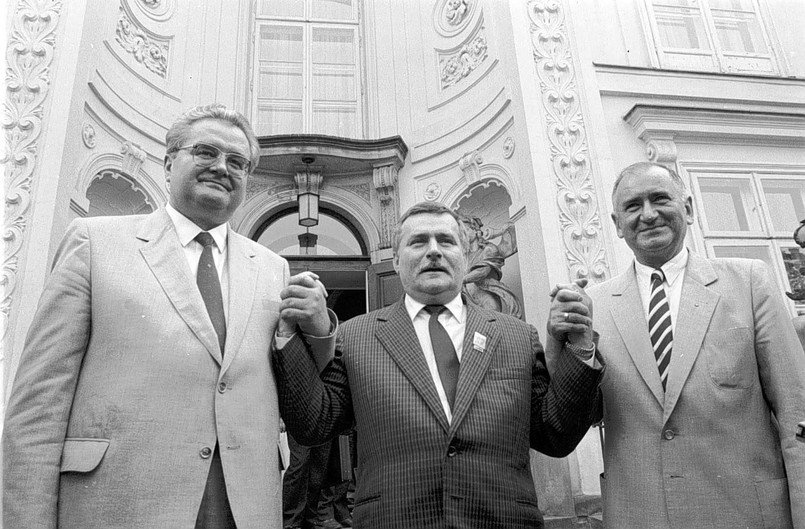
[322,348]
[586,355]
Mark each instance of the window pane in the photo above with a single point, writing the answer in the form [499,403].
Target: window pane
[333,46]
[739,32]
[335,121]
[680,27]
[334,238]
[785,200]
[746,252]
[281,44]
[272,120]
[333,9]
[282,8]
[729,205]
[794,261]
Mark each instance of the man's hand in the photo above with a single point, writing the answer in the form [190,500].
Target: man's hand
[571,314]
[304,305]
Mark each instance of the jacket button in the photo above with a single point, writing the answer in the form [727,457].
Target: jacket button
[205,452]
[668,434]
[451,451]
[221,387]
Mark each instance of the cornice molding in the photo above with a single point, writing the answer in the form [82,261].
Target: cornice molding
[716,126]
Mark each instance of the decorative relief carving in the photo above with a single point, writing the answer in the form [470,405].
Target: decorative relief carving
[159,10]
[662,151]
[88,135]
[433,191]
[384,179]
[455,11]
[362,190]
[255,186]
[146,49]
[459,65]
[508,147]
[133,158]
[470,165]
[151,3]
[452,16]
[579,215]
[29,54]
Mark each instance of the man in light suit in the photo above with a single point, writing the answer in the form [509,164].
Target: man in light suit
[710,442]
[145,395]
[447,396]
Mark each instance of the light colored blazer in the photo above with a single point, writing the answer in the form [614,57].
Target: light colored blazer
[416,470]
[707,453]
[121,390]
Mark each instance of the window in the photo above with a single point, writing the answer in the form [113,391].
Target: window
[753,214]
[307,68]
[711,35]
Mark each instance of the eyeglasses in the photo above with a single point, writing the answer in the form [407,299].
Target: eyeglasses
[206,155]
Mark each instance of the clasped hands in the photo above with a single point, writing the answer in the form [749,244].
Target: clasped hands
[571,314]
[304,306]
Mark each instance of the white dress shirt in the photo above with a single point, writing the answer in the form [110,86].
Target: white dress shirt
[674,271]
[454,321]
[187,231]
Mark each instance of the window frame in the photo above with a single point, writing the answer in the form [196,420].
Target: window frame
[717,59]
[309,106]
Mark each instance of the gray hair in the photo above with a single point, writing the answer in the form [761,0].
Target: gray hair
[177,134]
[429,208]
[640,168]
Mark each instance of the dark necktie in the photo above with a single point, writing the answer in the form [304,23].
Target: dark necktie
[659,325]
[446,358]
[210,287]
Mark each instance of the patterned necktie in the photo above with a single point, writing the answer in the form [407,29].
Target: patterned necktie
[659,325]
[210,287]
[445,353]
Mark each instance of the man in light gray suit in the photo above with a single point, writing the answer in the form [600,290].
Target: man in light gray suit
[145,395]
[700,411]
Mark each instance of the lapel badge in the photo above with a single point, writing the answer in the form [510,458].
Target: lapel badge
[479,342]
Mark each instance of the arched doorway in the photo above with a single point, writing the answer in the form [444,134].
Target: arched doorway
[333,249]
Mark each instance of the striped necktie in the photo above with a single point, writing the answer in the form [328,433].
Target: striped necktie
[659,325]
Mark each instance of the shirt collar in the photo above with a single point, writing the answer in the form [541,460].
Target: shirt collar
[455,306]
[188,230]
[672,268]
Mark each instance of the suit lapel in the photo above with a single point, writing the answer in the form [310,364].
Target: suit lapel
[400,341]
[474,361]
[696,307]
[164,256]
[243,272]
[627,312]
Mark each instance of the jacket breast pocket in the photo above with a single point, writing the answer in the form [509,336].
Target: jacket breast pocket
[731,358]
[82,455]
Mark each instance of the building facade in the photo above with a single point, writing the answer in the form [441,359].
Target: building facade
[519,113]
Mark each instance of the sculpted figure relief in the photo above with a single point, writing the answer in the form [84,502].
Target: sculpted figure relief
[485,261]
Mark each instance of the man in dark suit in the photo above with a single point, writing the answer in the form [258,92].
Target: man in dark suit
[448,397]
[144,395]
[700,406]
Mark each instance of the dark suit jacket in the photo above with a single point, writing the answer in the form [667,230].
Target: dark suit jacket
[705,453]
[121,391]
[416,470]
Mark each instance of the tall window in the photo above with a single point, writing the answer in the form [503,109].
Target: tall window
[308,68]
[711,35]
[754,214]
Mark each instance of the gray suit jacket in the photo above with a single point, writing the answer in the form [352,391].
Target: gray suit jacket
[121,389]
[416,470]
[717,449]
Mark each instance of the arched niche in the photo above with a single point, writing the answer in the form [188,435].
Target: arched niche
[492,256]
[112,193]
